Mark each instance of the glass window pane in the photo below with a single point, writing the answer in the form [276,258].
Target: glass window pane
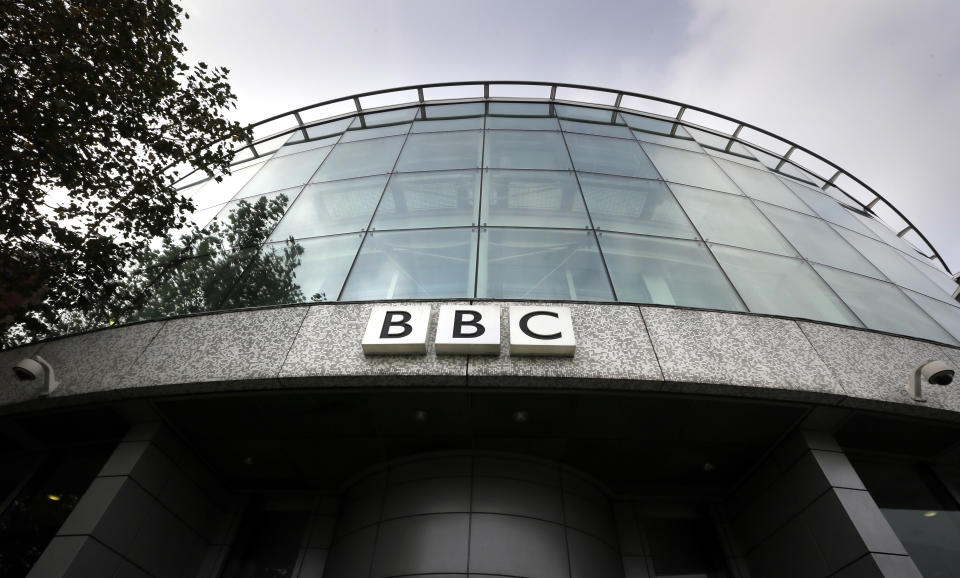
[708,138]
[301,145]
[525,150]
[360,159]
[634,206]
[680,166]
[214,193]
[297,272]
[455,150]
[645,123]
[329,128]
[354,135]
[781,286]
[584,113]
[437,111]
[420,200]
[522,123]
[935,274]
[247,222]
[196,283]
[666,271]
[597,154]
[596,128]
[894,265]
[541,264]
[520,108]
[475,122]
[532,199]
[740,160]
[828,208]
[429,264]
[948,316]
[690,145]
[817,241]
[387,117]
[331,208]
[886,235]
[882,306]
[763,186]
[284,172]
[731,220]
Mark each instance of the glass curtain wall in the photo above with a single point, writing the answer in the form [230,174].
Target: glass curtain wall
[542,201]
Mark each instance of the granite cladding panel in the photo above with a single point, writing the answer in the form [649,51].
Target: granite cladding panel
[706,351]
[247,345]
[612,345]
[96,361]
[874,369]
[13,390]
[328,345]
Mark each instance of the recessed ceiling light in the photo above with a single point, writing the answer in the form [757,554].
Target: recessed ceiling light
[53,497]
[929,514]
[520,416]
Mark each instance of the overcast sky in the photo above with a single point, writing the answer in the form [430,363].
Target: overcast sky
[872,85]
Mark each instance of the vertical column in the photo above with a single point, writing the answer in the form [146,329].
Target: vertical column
[153,511]
[805,513]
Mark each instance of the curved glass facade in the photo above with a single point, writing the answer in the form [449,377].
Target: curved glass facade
[544,201]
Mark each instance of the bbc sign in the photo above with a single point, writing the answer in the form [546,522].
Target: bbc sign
[469,329]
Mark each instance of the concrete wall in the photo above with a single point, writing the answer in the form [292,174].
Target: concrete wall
[619,347]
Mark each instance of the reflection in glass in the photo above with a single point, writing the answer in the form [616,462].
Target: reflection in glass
[298,145]
[229,213]
[267,541]
[453,150]
[421,200]
[667,272]
[308,270]
[708,138]
[525,150]
[597,154]
[541,264]
[284,172]
[817,241]
[763,186]
[781,286]
[331,208]
[689,168]
[361,159]
[881,305]
[634,206]
[731,220]
[428,264]
[532,198]
[386,117]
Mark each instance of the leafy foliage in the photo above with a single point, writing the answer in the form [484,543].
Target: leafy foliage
[96,108]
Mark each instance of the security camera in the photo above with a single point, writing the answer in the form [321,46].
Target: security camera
[36,367]
[931,371]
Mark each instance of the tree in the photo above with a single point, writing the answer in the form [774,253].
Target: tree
[100,116]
